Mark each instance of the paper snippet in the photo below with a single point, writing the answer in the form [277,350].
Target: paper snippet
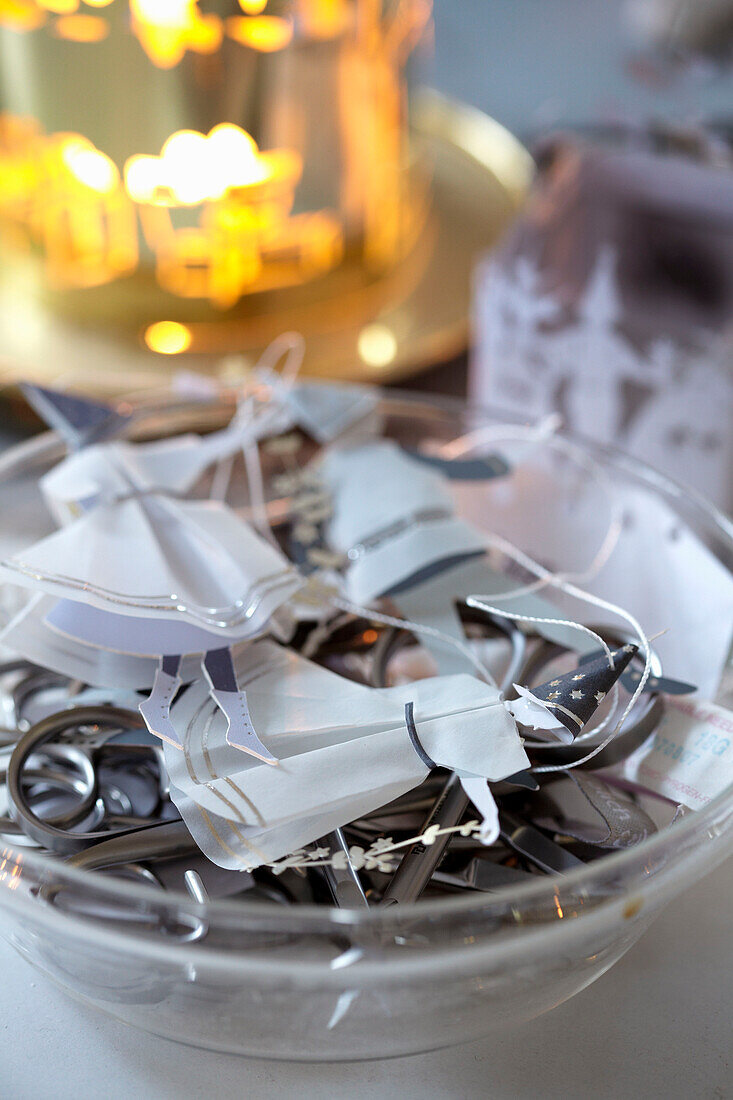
[689,757]
[343,750]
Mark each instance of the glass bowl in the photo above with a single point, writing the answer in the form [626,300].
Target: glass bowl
[309,983]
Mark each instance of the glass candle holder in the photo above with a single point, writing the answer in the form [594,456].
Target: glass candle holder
[165,162]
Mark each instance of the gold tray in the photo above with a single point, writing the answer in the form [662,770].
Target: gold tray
[380,330]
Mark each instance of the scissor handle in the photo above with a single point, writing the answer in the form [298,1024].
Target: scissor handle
[51,837]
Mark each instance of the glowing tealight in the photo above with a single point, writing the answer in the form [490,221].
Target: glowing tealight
[142,178]
[81,28]
[234,158]
[186,167]
[193,168]
[90,167]
[253,7]
[168,337]
[60,7]
[377,345]
[266,33]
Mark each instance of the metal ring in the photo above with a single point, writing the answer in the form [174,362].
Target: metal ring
[51,837]
[76,775]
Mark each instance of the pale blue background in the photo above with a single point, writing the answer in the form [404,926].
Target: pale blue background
[537,63]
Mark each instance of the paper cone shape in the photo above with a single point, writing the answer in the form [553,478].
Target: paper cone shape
[574,697]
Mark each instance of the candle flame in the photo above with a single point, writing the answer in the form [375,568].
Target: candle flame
[193,168]
[266,33]
[167,28]
[90,167]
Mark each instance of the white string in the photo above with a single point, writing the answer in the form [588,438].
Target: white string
[417,628]
[570,589]
[543,434]
[292,346]
[492,433]
[480,603]
[602,556]
[253,466]
[248,421]
[322,632]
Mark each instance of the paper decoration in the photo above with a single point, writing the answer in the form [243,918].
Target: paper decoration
[572,698]
[660,570]
[343,750]
[142,587]
[78,420]
[667,404]
[689,757]
[393,519]
[141,572]
[664,685]
[396,524]
[325,410]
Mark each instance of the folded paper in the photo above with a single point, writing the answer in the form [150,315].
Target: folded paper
[571,699]
[343,750]
[139,571]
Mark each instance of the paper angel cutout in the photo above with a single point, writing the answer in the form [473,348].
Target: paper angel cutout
[393,519]
[343,750]
[139,571]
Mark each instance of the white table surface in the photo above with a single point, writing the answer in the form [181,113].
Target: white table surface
[656,1027]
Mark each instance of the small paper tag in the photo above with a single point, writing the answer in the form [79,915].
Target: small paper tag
[689,758]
